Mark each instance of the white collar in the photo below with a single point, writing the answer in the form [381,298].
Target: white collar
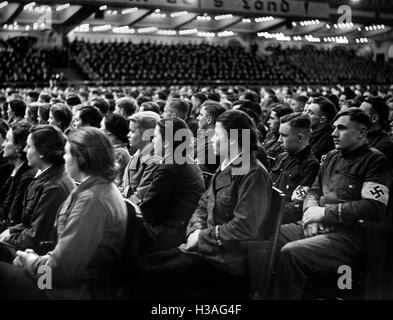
[16,169]
[39,172]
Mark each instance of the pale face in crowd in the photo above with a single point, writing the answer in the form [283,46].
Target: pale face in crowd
[71,164]
[203,119]
[77,121]
[274,122]
[10,149]
[220,141]
[52,121]
[34,158]
[158,142]
[134,135]
[315,114]
[290,138]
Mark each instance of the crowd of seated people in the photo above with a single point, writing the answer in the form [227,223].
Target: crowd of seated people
[126,61]
[197,165]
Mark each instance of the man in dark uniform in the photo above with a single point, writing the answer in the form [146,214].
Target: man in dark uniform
[378,112]
[272,146]
[321,112]
[352,185]
[295,170]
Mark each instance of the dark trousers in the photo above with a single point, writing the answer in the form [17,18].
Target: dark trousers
[16,284]
[301,257]
[172,274]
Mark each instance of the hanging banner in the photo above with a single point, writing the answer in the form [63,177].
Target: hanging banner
[270,7]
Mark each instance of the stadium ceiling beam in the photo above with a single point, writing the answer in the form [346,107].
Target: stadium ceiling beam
[186,22]
[79,16]
[12,13]
[230,24]
[140,17]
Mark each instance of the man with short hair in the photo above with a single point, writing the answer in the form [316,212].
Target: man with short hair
[298,102]
[175,108]
[125,106]
[295,170]
[272,146]
[352,186]
[197,100]
[378,112]
[204,153]
[321,112]
[87,116]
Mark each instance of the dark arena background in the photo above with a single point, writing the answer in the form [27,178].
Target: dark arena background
[196,150]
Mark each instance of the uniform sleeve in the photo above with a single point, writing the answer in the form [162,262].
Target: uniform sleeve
[77,244]
[375,196]
[253,202]
[146,180]
[315,192]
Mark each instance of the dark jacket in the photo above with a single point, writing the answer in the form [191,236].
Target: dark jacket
[91,227]
[294,172]
[231,211]
[12,194]
[5,170]
[43,198]
[170,201]
[321,141]
[380,140]
[272,146]
[359,180]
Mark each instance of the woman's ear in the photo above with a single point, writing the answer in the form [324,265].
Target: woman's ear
[322,119]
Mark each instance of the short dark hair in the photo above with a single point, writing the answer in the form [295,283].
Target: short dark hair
[251,96]
[151,106]
[117,125]
[356,115]
[297,120]
[143,99]
[93,151]
[176,125]
[239,120]
[213,109]
[180,106]
[20,131]
[43,111]
[381,108]
[62,114]
[44,97]
[72,99]
[100,103]
[90,116]
[200,96]
[301,99]
[33,95]
[3,128]
[18,107]
[49,142]
[127,104]
[326,106]
[32,112]
[282,109]
[213,96]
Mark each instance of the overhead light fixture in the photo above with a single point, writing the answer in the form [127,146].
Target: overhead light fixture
[62,7]
[294,24]
[205,17]
[263,19]
[29,6]
[147,30]
[129,10]
[178,14]
[226,34]
[188,31]
[166,32]
[104,27]
[223,17]
[123,29]
[3,4]
[104,7]
[206,34]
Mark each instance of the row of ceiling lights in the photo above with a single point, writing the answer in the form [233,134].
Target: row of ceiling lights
[127,30]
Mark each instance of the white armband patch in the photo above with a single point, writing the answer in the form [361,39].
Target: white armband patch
[375,191]
[299,193]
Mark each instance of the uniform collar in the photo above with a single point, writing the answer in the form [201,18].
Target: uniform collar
[376,133]
[301,154]
[356,152]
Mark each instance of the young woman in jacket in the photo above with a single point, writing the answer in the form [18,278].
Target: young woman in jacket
[44,195]
[91,228]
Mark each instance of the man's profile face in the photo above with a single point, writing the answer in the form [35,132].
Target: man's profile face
[346,134]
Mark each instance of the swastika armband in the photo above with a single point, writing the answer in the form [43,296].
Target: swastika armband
[375,191]
[299,193]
